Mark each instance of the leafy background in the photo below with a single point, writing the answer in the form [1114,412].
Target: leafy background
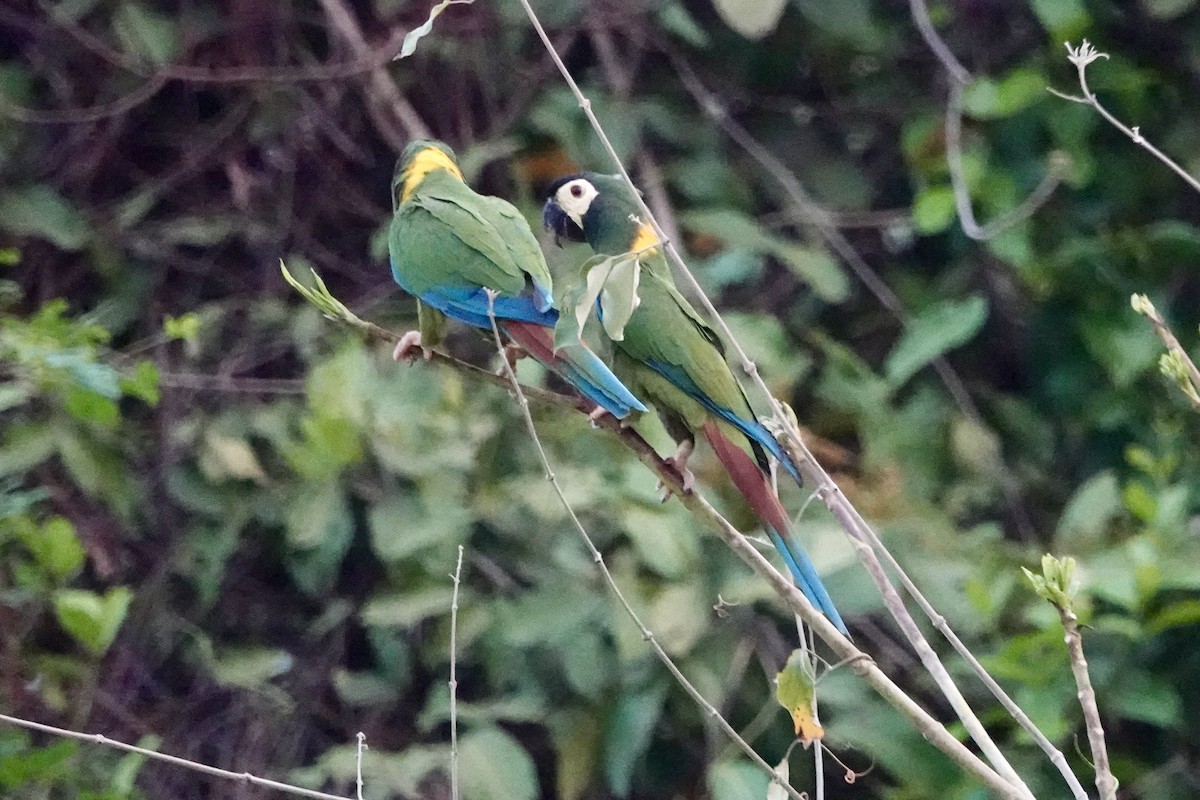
[226,526]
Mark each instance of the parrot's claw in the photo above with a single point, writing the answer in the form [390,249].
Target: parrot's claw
[598,413]
[408,345]
[679,462]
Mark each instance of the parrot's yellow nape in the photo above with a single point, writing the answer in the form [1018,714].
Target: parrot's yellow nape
[423,163]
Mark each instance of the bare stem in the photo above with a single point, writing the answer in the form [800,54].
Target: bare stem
[358,757]
[240,777]
[1106,784]
[454,678]
[1082,56]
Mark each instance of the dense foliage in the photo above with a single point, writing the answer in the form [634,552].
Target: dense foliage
[226,525]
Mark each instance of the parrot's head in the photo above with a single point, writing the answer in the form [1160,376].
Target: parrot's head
[597,209]
[420,158]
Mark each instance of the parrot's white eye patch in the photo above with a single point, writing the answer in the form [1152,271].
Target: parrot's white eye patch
[575,198]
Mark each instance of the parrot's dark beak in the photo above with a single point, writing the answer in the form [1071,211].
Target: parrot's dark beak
[556,220]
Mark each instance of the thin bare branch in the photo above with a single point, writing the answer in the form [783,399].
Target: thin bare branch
[920,14]
[454,678]
[1082,56]
[386,103]
[1055,172]
[240,777]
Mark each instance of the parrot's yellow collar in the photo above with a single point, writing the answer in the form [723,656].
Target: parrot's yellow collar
[422,164]
[646,238]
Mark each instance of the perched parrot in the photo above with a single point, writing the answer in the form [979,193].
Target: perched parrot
[450,246]
[672,359]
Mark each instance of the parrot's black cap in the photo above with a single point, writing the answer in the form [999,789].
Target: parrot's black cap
[556,220]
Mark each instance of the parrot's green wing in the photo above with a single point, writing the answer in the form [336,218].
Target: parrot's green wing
[428,253]
[523,246]
[504,247]
[666,332]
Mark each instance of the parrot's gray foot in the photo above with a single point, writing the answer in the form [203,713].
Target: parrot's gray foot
[679,462]
[598,413]
[408,345]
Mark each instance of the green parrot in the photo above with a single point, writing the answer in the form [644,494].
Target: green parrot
[464,254]
[671,358]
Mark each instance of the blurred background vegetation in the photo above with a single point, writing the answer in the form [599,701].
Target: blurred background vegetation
[227,526]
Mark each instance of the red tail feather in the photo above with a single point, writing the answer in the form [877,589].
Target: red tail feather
[537,340]
[749,479]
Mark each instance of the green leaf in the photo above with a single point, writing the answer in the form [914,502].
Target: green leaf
[142,383]
[933,209]
[230,457]
[40,211]
[185,327]
[493,766]
[93,620]
[753,19]
[250,667]
[740,232]
[985,98]
[55,547]
[611,280]
[1064,19]
[409,46]
[934,331]
[665,541]
[405,609]
[1089,513]
[628,735]
[406,523]
[816,268]
[675,19]
[796,689]
[145,34]
[737,779]
[1167,9]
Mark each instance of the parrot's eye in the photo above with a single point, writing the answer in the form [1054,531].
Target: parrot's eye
[577,191]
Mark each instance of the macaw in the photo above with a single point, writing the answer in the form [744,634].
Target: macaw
[672,359]
[463,254]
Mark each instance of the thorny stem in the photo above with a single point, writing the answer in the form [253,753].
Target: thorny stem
[358,757]
[241,777]
[1082,56]
[1106,783]
[454,678]
[832,496]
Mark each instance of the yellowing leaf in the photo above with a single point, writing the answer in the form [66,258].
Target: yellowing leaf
[795,689]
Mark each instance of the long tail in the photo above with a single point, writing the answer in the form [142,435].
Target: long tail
[578,365]
[753,485]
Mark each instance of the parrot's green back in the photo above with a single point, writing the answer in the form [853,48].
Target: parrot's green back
[445,234]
